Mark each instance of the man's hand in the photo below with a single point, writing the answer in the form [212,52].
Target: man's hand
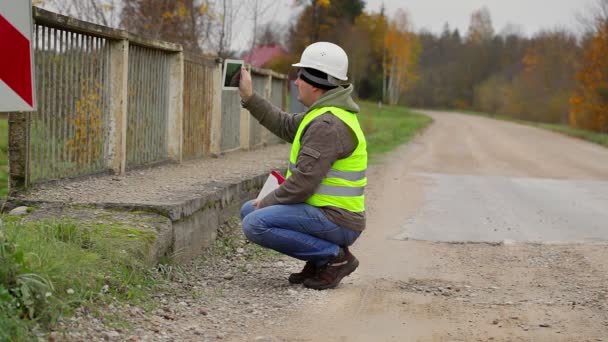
[256,204]
[245,86]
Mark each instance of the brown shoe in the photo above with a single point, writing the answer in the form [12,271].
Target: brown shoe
[331,274]
[309,271]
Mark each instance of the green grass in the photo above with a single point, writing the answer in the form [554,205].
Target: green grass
[387,127]
[49,268]
[598,138]
[594,137]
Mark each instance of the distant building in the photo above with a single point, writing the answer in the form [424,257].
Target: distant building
[262,54]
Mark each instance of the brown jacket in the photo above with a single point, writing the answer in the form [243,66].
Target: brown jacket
[325,140]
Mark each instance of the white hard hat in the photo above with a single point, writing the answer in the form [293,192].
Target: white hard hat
[326,57]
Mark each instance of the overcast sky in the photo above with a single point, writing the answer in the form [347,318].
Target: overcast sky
[530,16]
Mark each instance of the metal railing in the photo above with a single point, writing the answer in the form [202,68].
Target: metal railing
[108,100]
[198,100]
[148,107]
[69,128]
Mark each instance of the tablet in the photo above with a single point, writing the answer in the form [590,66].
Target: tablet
[232,74]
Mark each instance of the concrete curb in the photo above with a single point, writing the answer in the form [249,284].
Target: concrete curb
[194,222]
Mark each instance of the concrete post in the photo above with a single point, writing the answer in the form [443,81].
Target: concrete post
[18,151]
[245,123]
[268,96]
[175,125]
[215,121]
[117,143]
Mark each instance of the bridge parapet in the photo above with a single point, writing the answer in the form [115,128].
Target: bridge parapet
[109,101]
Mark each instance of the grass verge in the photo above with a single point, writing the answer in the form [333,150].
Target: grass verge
[47,269]
[387,127]
[597,138]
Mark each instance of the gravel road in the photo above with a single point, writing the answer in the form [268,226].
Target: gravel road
[411,286]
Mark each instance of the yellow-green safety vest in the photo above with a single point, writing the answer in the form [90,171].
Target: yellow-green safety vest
[344,183]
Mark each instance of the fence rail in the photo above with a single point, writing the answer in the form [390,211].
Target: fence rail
[109,101]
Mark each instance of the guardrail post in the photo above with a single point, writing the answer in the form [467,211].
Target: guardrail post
[18,150]
[245,122]
[175,125]
[215,121]
[117,143]
[268,96]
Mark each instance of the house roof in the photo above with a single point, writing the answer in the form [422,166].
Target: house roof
[262,54]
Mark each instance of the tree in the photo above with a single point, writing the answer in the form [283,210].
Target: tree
[402,49]
[270,34]
[258,8]
[227,14]
[178,21]
[480,27]
[323,20]
[102,12]
[589,102]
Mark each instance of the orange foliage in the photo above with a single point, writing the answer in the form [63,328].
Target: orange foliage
[589,103]
[87,123]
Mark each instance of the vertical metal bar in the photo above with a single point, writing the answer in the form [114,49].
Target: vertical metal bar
[90,103]
[160,149]
[197,115]
[100,123]
[83,104]
[190,89]
[153,109]
[130,101]
[77,91]
[101,161]
[138,119]
[89,87]
[139,94]
[185,110]
[163,152]
[148,113]
[153,147]
[159,128]
[77,103]
[108,95]
[44,132]
[34,130]
[62,102]
[53,116]
[135,110]
[133,104]
[70,136]
[98,104]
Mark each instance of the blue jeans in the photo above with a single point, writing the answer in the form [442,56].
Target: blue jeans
[299,230]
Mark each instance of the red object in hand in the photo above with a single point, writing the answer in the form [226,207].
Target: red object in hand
[278,176]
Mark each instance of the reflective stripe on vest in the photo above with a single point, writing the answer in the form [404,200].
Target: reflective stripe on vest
[344,184]
[348,175]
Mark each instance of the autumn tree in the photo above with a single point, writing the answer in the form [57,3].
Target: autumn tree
[178,21]
[589,103]
[480,26]
[102,12]
[402,50]
[323,20]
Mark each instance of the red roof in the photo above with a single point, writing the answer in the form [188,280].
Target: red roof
[262,54]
